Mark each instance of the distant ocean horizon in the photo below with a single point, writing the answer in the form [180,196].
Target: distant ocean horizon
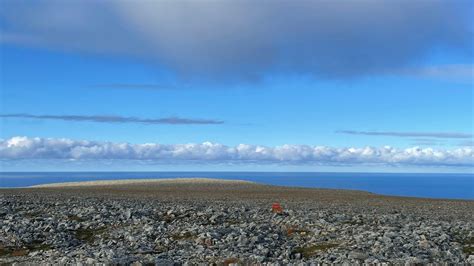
[449,186]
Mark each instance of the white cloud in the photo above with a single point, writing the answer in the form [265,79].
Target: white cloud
[17,148]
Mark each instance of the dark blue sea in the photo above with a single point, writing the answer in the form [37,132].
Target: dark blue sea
[452,186]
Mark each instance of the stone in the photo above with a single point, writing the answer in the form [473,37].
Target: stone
[127,214]
[470,259]
[357,255]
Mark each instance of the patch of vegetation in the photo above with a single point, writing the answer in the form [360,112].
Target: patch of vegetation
[160,249]
[88,235]
[310,251]
[468,246]
[19,252]
[467,243]
[38,245]
[292,230]
[4,251]
[230,261]
[185,236]
[231,221]
[32,214]
[75,218]
[23,251]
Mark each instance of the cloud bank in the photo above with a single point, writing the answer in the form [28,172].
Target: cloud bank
[19,148]
[247,39]
[118,119]
[442,135]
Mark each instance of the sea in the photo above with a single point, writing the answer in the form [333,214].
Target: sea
[448,186]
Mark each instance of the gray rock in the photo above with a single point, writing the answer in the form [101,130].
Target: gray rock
[127,214]
[470,259]
[357,255]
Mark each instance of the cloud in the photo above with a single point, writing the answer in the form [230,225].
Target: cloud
[442,135]
[118,119]
[19,148]
[247,39]
[458,72]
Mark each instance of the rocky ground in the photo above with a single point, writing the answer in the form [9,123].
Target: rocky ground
[228,223]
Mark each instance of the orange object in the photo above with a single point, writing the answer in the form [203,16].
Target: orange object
[290,231]
[276,208]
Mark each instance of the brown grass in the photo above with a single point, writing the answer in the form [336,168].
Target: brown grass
[185,236]
[230,261]
[22,251]
[75,218]
[290,231]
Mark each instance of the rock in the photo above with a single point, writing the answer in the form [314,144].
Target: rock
[357,255]
[127,214]
[63,260]
[164,262]
[470,259]
[214,218]
[243,241]
[424,244]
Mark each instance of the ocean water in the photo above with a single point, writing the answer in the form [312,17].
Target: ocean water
[452,186]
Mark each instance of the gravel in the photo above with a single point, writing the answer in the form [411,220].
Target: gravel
[169,223]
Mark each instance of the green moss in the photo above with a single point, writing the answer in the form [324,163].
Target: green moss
[468,250]
[38,245]
[4,251]
[231,221]
[309,251]
[88,235]
[466,243]
[468,246]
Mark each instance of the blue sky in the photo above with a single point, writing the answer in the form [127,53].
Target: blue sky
[376,86]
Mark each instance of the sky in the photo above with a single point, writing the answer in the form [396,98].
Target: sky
[375,86]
